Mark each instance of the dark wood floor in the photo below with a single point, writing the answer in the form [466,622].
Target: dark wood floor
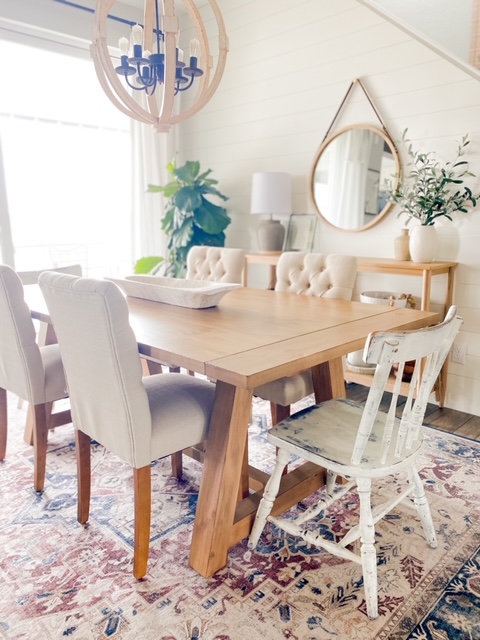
[463,424]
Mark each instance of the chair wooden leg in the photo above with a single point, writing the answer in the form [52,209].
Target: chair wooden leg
[177,464]
[279,413]
[143,508]
[28,433]
[84,476]
[40,433]
[3,423]
[367,551]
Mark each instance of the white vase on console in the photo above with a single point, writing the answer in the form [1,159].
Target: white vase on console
[423,243]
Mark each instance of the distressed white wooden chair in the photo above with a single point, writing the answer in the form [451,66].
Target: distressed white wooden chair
[140,419]
[33,373]
[363,444]
[308,274]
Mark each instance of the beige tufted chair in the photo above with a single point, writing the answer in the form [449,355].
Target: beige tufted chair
[140,419]
[309,274]
[217,264]
[33,373]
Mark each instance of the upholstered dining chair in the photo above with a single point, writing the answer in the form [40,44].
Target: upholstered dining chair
[44,330]
[31,277]
[215,264]
[140,419]
[309,274]
[33,373]
[364,443]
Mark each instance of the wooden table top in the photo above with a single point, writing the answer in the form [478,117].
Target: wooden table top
[254,336]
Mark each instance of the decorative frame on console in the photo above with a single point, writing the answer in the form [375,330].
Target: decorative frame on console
[301,232]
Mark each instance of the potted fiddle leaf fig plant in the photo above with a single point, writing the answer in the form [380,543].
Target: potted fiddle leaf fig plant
[431,190]
[190,219]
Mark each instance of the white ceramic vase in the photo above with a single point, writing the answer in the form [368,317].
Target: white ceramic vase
[423,243]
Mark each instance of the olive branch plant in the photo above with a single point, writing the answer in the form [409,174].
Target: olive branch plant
[432,190]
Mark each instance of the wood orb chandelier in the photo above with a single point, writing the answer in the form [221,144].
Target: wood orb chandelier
[144,81]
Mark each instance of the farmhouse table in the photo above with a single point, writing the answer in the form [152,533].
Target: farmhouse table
[250,338]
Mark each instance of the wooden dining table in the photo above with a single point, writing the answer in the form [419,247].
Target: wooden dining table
[250,338]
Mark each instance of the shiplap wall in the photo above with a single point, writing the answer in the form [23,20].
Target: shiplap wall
[289,67]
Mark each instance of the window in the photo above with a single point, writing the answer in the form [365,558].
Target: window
[66,153]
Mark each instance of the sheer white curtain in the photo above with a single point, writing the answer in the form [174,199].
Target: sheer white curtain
[76,171]
[151,152]
[6,244]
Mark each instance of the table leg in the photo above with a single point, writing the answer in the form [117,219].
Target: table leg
[441,384]
[223,465]
[329,380]
[273,277]
[426,290]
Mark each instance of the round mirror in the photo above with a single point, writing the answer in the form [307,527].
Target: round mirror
[348,178]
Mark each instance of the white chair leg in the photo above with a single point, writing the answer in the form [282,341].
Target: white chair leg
[330,481]
[423,508]
[269,494]
[367,551]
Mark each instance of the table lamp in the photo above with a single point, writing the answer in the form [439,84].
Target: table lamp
[271,195]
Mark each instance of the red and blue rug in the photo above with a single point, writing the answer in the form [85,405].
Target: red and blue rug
[59,579]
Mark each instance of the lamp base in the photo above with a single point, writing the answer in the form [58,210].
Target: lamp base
[271,234]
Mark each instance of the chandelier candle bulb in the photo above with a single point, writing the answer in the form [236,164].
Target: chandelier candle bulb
[124,46]
[137,39]
[194,48]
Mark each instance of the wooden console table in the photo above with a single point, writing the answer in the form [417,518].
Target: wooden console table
[425,270]
[407,268]
[270,259]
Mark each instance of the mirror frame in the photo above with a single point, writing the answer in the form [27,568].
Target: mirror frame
[327,141]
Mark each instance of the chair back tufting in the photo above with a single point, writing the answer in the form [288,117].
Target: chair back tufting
[216,264]
[317,274]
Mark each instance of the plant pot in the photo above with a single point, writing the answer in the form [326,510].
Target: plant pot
[423,243]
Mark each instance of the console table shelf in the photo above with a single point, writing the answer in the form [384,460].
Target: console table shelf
[425,270]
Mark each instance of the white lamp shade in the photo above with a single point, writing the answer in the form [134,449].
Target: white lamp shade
[271,193]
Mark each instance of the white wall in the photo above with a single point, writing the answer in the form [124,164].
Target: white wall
[289,67]
[446,23]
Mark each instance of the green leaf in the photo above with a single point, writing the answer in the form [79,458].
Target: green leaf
[190,217]
[148,264]
[211,218]
[188,172]
[187,199]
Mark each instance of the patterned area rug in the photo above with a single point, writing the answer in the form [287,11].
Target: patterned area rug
[59,579]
